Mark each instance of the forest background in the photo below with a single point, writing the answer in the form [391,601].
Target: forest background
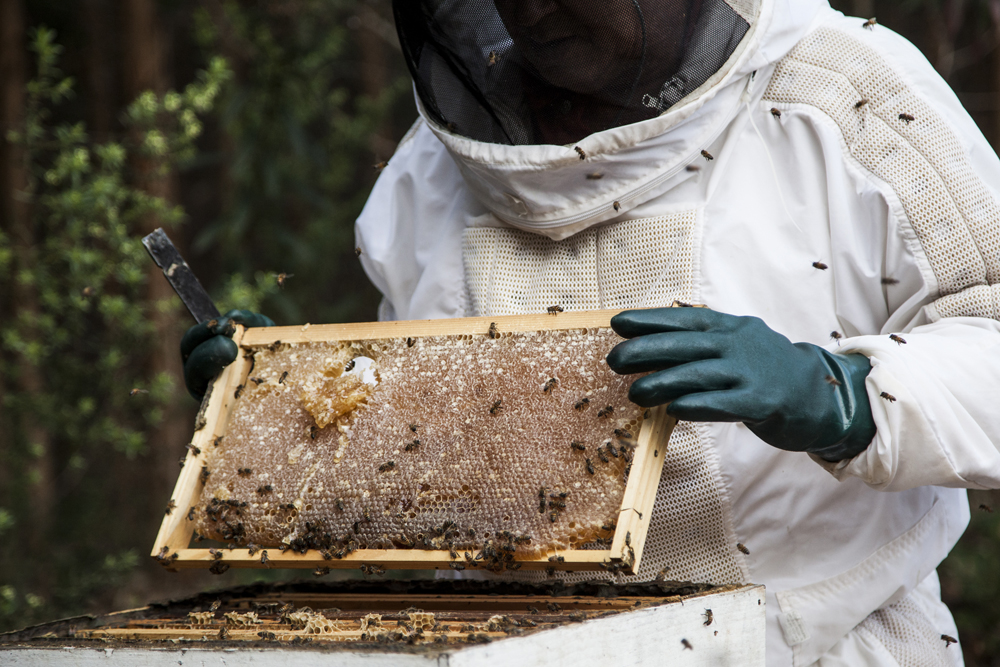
[249,129]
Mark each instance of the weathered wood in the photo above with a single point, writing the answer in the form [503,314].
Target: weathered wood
[675,633]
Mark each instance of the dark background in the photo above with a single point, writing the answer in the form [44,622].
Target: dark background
[257,165]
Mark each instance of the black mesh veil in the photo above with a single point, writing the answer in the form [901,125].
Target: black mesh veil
[554,71]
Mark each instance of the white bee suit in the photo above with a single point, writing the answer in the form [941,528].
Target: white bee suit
[844,148]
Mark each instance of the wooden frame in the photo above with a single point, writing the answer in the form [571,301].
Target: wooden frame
[624,555]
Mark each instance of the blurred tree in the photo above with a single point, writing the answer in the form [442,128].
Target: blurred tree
[78,326]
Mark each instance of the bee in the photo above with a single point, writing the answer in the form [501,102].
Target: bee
[264,560]
[283,377]
[379,166]
[267,636]
[556,559]
[170,507]
[709,617]
[837,336]
[456,566]
[357,251]
[553,515]
[617,206]
[602,455]
[493,333]
[605,411]
[339,502]
[860,103]
[986,508]
[205,474]
[595,176]
[687,645]
[708,156]
[550,571]
[628,538]
[820,265]
[194,450]
[163,553]
[223,633]
[410,446]
[497,406]
[870,24]
[349,367]
[137,391]
[321,571]
[662,574]
[743,549]
[218,568]
[581,404]
[948,640]
[549,384]
[532,610]
[413,427]
[577,445]
[87,292]
[252,549]
[493,59]
[906,118]
[410,342]
[244,472]
[554,310]
[313,431]
[215,606]
[832,381]
[590,467]
[216,553]
[621,433]
[267,488]
[217,441]
[366,513]
[692,168]
[579,151]
[890,281]
[898,340]
[191,512]
[527,623]
[776,112]
[887,396]
[238,392]
[553,607]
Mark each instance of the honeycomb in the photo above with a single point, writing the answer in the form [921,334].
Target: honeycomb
[489,445]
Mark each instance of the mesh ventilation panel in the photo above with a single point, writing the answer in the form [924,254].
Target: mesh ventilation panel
[520,72]
[461,432]
[630,264]
[910,637]
[901,139]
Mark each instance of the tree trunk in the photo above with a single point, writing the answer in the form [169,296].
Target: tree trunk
[22,301]
[146,68]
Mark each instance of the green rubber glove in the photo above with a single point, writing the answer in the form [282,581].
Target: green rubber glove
[715,367]
[208,347]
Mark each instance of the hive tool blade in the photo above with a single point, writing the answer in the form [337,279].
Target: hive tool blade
[180,276]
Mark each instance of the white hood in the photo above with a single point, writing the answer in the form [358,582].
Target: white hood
[550,190]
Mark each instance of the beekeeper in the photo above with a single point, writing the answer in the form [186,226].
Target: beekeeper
[811,179]
[808,177]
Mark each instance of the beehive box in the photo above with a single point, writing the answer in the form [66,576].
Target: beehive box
[375,624]
[479,443]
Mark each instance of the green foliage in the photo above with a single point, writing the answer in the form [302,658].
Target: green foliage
[299,153]
[78,342]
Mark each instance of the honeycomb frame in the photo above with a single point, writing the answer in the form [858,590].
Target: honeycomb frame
[172,544]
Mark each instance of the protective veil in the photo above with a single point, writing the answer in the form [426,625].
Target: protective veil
[516,72]
[848,191]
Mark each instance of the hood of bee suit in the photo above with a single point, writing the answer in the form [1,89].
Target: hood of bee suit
[555,161]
